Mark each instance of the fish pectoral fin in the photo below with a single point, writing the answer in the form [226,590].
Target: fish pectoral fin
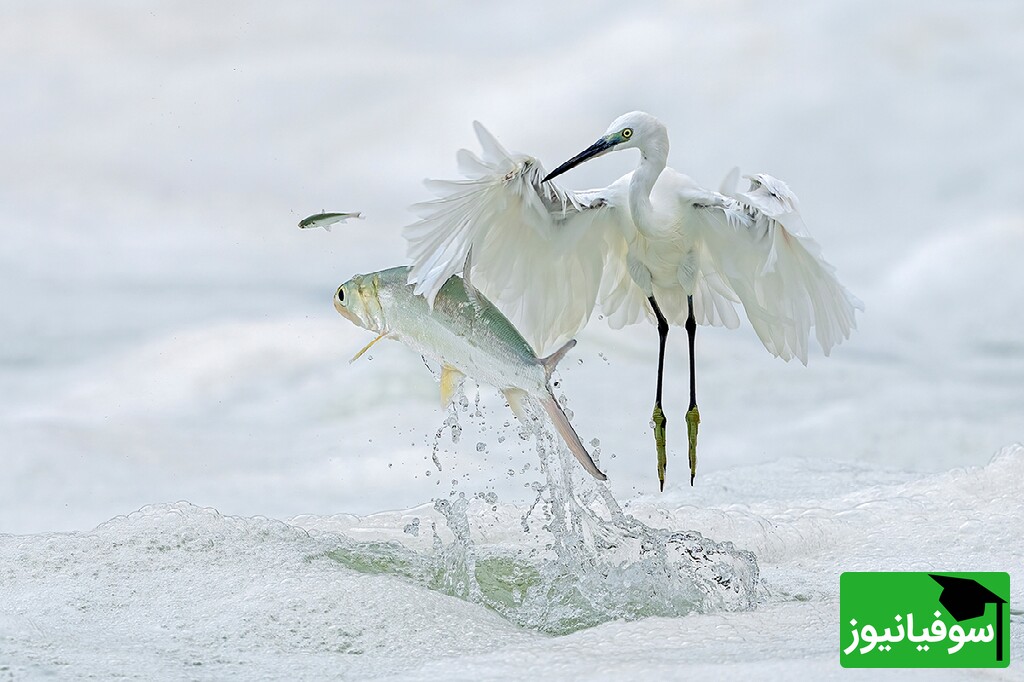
[515,396]
[451,379]
[367,347]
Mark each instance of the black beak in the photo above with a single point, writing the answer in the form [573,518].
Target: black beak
[596,149]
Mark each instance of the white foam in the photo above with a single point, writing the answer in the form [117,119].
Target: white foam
[178,590]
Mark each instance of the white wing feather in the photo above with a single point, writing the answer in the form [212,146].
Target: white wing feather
[546,255]
[540,253]
[760,246]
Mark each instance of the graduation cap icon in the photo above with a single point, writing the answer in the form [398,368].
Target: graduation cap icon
[966,598]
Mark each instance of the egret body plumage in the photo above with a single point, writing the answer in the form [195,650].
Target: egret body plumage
[651,244]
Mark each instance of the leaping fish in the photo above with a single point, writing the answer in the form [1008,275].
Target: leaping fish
[467,335]
[325,220]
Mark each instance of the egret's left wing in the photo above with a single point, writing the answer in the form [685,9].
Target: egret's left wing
[760,246]
[539,252]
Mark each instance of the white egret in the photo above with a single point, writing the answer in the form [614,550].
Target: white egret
[651,243]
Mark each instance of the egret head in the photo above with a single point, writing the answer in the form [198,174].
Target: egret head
[635,129]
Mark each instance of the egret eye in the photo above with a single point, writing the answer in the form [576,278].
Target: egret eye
[627,133]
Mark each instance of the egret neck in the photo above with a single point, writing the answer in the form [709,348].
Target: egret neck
[653,159]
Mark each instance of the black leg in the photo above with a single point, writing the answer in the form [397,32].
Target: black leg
[692,414]
[660,422]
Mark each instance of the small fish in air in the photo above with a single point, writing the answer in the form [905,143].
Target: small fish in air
[325,220]
[467,335]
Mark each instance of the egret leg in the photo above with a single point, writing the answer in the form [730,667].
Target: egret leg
[659,415]
[692,414]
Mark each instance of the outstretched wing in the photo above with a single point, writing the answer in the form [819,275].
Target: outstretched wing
[539,252]
[759,244]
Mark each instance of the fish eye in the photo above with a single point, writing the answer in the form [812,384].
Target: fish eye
[627,133]
[341,295]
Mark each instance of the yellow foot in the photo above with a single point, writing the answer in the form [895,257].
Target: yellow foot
[659,441]
[692,420]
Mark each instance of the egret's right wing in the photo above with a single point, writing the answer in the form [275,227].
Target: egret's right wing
[759,244]
[539,252]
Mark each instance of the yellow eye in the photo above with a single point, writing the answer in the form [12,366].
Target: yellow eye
[627,133]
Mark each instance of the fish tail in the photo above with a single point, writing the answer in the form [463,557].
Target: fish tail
[565,429]
[552,360]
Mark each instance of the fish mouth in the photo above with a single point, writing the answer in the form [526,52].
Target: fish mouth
[350,316]
[593,151]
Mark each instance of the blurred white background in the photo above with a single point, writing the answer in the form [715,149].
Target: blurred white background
[167,332]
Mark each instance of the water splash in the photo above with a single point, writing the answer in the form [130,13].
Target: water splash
[580,560]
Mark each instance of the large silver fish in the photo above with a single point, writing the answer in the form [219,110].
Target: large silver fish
[467,335]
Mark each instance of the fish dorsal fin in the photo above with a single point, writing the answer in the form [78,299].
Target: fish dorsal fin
[552,360]
[515,396]
[467,283]
[451,379]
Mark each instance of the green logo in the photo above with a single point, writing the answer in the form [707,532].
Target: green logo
[924,620]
